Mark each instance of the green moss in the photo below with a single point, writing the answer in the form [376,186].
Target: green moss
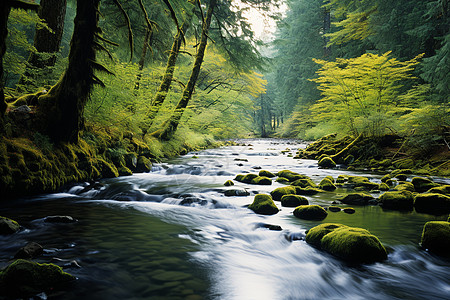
[342,179]
[239,177]
[261,180]
[289,175]
[423,184]
[402,177]
[264,205]
[327,163]
[293,200]
[397,200]
[385,178]
[405,163]
[400,171]
[436,237]
[314,235]
[443,189]
[356,199]
[327,185]
[8,226]
[24,278]
[108,170]
[143,164]
[281,191]
[436,204]
[405,186]
[329,177]
[247,178]
[310,212]
[266,173]
[282,180]
[383,187]
[362,183]
[353,244]
[228,183]
[304,182]
[307,190]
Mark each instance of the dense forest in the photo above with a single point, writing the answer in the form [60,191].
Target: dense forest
[105,79]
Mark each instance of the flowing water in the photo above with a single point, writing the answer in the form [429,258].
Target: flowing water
[173,234]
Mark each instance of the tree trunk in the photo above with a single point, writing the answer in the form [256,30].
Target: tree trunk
[170,127]
[46,43]
[147,42]
[168,77]
[61,110]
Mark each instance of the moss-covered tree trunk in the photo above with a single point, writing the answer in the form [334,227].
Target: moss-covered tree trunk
[47,43]
[147,42]
[61,110]
[170,126]
[168,76]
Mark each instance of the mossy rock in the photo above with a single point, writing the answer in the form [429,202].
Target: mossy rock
[405,163]
[356,199]
[362,183]
[349,210]
[261,180]
[239,177]
[307,191]
[385,178]
[391,182]
[8,226]
[330,178]
[282,180]
[263,205]
[304,182]
[143,164]
[236,192]
[443,189]
[289,175]
[310,212]
[124,171]
[23,278]
[355,245]
[397,200]
[265,173]
[293,200]
[405,186]
[281,191]
[327,163]
[383,187]
[400,171]
[436,237]
[334,208]
[423,184]
[314,235]
[327,185]
[341,179]
[228,183]
[436,204]
[402,177]
[247,178]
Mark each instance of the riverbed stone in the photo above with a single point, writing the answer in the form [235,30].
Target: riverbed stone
[334,208]
[261,180]
[356,199]
[307,191]
[397,200]
[362,183]
[349,210]
[8,226]
[310,212]
[245,178]
[266,173]
[327,185]
[304,182]
[443,189]
[143,164]
[263,205]
[60,219]
[436,237]
[228,183]
[24,278]
[405,186]
[293,200]
[327,163]
[314,235]
[432,203]
[289,175]
[423,184]
[281,191]
[236,192]
[282,180]
[383,187]
[29,251]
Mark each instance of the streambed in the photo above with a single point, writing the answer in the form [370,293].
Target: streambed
[173,234]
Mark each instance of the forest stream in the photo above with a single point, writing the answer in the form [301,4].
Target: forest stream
[173,234]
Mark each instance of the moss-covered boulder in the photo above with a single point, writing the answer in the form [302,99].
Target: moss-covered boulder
[385,178]
[282,180]
[361,182]
[341,179]
[228,183]
[8,226]
[405,186]
[281,191]
[327,185]
[443,189]
[402,177]
[436,237]
[423,184]
[261,180]
[143,164]
[354,244]
[263,205]
[293,201]
[307,191]
[356,199]
[247,178]
[304,182]
[397,200]
[436,204]
[310,212]
[266,173]
[23,278]
[327,163]
[383,187]
[289,175]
